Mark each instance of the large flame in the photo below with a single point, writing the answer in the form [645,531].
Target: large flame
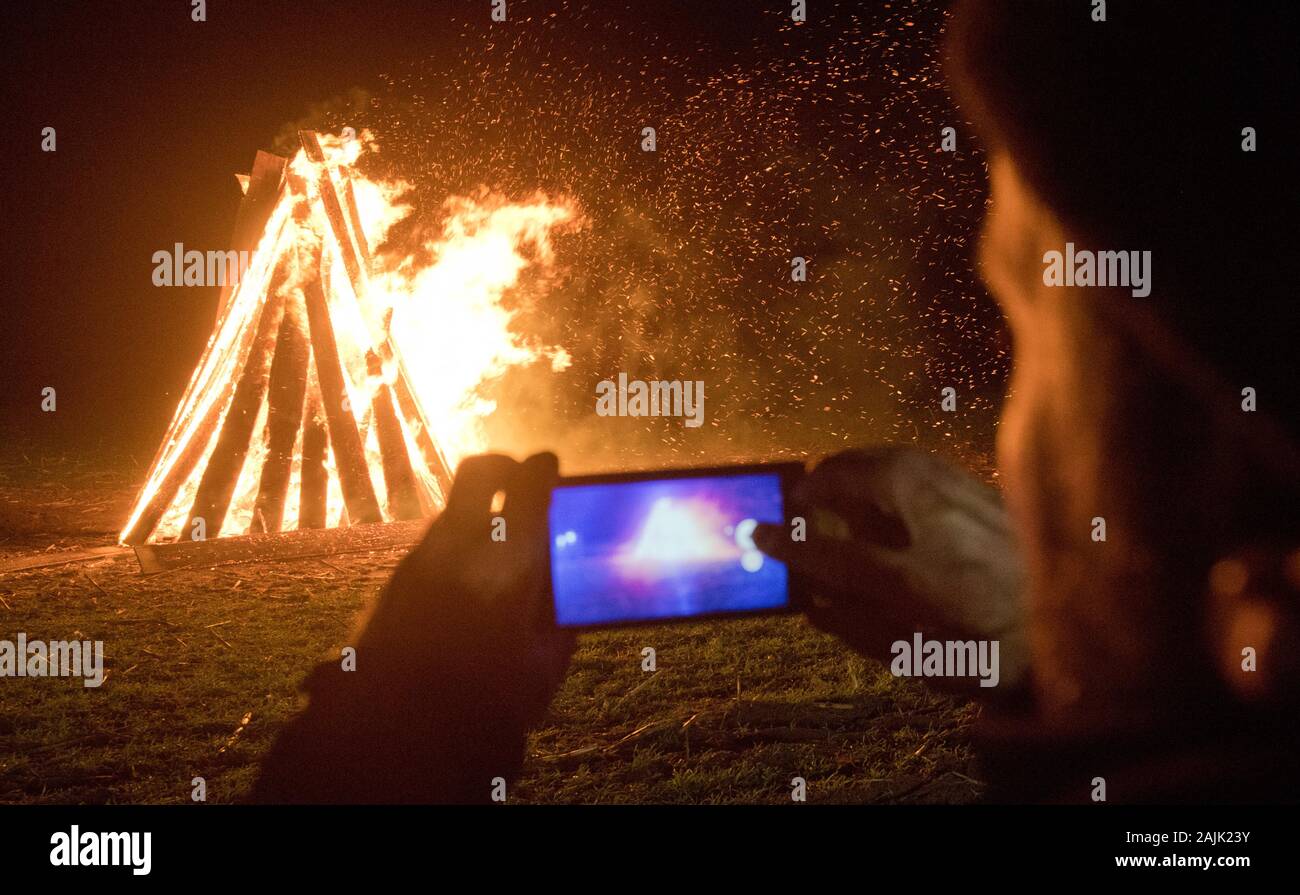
[437,313]
[453,347]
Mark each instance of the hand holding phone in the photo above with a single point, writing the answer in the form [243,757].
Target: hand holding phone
[901,541]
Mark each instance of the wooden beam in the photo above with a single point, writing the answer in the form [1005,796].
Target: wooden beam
[349,452]
[313,495]
[399,477]
[195,446]
[264,186]
[285,398]
[387,350]
[334,212]
[278,547]
[221,475]
[429,450]
[354,218]
[256,215]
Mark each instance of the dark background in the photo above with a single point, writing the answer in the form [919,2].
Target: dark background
[155,113]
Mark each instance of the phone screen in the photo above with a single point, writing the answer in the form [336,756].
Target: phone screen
[664,548]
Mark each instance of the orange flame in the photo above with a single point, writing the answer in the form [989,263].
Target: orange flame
[442,322]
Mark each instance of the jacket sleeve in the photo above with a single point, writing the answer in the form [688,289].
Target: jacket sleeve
[378,739]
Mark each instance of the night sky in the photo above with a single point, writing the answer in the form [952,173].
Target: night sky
[775,140]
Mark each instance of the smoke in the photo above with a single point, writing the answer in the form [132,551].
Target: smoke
[819,146]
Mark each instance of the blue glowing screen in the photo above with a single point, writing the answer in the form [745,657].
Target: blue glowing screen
[664,548]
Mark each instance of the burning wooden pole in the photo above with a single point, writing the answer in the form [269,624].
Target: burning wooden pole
[399,477]
[314,490]
[357,275]
[264,189]
[287,392]
[349,453]
[266,183]
[196,422]
[217,485]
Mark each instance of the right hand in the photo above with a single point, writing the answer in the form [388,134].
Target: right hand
[899,542]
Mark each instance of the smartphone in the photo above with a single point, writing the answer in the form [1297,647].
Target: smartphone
[646,547]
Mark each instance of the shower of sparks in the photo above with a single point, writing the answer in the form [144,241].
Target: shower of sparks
[818,140]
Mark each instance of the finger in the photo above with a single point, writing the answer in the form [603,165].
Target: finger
[529,496]
[838,569]
[854,595]
[528,499]
[861,581]
[870,460]
[770,538]
[477,480]
[856,486]
[527,505]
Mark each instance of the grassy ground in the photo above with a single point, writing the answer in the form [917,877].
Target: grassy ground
[203,666]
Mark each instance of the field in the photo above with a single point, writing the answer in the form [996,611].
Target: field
[202,668]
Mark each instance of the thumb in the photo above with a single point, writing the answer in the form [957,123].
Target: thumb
[850,572]
[771,538]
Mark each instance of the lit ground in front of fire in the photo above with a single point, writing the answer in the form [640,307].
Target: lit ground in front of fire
[203,667]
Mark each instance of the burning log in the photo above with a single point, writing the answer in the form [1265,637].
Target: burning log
[356,271]
[349,453]
[334,212]
[264,186]
[432,457]
[312,501]
[288,390]
[354,218]
[221,474]
[399,477]
[195,443]
[265,183]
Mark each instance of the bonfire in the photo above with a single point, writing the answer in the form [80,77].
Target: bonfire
[336,391]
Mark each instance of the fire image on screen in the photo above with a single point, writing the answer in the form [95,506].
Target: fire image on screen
[664,548]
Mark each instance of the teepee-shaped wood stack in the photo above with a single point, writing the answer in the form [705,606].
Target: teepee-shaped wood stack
[301,413]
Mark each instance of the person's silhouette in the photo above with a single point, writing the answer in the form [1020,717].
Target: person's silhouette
[1124,657]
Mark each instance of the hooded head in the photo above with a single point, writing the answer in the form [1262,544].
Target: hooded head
[1132,460]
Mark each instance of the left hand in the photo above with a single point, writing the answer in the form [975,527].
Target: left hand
[464,614]
[453,665]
